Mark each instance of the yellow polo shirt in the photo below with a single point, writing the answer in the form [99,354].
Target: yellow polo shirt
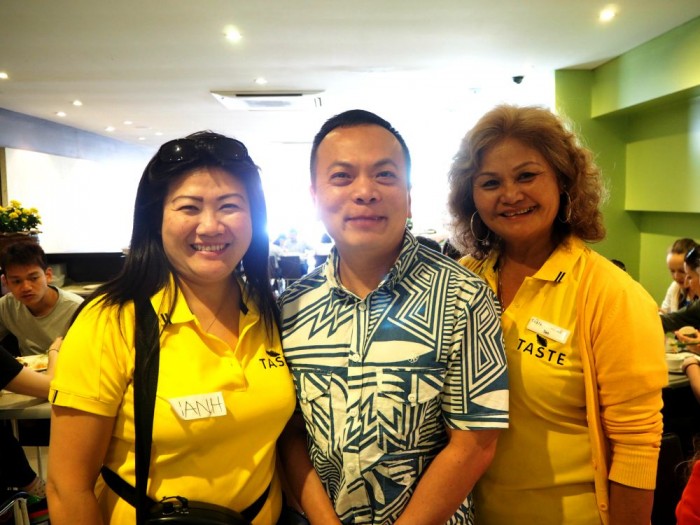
[219,410]
[543,471]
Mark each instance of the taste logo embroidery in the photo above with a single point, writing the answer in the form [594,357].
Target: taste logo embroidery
[273,360]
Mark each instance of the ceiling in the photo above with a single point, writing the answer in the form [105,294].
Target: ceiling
[416,62]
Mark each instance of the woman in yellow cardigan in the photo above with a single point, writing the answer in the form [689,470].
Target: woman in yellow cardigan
[584,343]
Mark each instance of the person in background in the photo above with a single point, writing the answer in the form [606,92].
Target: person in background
[396,350]
[15,470]
[688,509]
[35,312]
[619,264]
[584,344]
[449,250]
[689,315]
[294,245]
[199,254]
[428,242]
[678,295]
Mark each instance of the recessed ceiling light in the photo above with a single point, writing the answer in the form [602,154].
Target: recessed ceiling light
[159,133]
[142,138]
[260,81]
[60,113]
[77,102]
[128,122]
[233,34]
[607,14]
[109,128]
[4,76]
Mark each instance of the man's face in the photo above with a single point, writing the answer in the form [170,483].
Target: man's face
[361,190]
[28,284]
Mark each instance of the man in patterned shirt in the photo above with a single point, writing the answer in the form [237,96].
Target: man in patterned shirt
[396,350]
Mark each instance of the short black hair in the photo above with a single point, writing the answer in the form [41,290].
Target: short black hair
[350,119]
[23,253]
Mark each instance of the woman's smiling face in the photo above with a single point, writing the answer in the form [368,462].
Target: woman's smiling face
[207,226]
[517,193]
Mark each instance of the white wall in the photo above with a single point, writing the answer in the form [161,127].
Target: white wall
[85,205]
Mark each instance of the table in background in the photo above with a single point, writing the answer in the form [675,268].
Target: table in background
[14,407]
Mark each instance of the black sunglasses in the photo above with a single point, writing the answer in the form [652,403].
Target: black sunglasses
[185,150]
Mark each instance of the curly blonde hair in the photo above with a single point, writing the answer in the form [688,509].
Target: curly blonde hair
[582,190]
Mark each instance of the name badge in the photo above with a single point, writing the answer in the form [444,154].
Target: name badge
[553,332]
[199,406]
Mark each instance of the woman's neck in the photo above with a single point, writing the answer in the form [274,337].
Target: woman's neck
[517,263]
[216,308]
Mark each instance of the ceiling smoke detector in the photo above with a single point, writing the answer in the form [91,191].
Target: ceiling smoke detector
[268,100]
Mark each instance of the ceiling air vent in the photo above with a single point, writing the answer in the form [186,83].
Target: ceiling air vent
[268,100]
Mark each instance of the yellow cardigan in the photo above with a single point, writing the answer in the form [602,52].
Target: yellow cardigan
[601,291]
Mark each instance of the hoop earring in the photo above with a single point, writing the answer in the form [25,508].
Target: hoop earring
[471,227]
[567,215]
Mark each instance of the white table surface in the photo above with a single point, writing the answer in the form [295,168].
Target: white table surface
[18,406]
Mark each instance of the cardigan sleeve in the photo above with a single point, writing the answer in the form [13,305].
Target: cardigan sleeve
[628,350]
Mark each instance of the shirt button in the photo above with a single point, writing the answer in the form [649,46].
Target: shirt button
[362,307]
[353,412]
[351,468]
[354,357]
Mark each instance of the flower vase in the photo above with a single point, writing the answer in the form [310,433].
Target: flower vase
[8,238]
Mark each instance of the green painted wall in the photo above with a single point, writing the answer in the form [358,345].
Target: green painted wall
[663,66]
[655,241]
[607,140]
[663,158]
[641,114]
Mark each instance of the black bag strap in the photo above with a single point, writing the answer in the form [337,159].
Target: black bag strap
[145,385]
[128,493]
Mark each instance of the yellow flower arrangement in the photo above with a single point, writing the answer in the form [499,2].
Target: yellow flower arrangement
[15,218]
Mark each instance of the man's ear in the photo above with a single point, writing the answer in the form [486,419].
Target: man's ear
[410,212]
[312,192]
[49,274]
[3,280]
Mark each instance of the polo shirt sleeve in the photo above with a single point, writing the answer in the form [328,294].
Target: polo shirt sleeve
[97,361]
[476,387]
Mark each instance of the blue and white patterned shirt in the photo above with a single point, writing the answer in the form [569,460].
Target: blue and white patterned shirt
[379,378]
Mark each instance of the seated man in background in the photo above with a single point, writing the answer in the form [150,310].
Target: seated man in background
[35,312]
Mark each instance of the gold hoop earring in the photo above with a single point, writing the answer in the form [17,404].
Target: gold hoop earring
[471,227]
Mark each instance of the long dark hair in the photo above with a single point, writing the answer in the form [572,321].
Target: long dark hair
[146,269]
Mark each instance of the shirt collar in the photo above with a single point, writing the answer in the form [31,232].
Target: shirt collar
[556,267]
[409,248]
[181,312]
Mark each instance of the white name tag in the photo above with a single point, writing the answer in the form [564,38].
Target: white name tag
[548,330]
[199,406]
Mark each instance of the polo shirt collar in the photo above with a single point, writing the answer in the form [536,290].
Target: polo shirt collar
[181,313]
[555,268]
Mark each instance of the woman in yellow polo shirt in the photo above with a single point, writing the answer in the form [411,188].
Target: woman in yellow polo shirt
[583,340]
[199,252]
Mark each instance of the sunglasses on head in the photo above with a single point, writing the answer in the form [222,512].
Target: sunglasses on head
[692,255]
[185,150]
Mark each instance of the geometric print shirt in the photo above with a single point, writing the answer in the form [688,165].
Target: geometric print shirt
[378,379]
